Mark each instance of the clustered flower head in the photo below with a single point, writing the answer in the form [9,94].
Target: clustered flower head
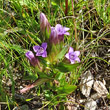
[56,36]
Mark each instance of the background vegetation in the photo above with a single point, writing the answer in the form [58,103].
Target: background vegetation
[89,23]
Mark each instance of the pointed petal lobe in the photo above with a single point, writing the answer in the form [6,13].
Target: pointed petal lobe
[44,45]
[67,55]
[71,50]
[35,48]
[77,53]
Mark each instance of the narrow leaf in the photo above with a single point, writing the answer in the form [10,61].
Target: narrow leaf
[67,89]
[62,53]
[63,67]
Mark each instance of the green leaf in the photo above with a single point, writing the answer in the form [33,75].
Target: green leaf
[62,53]
[27,100]
[43,61]
[108,96]
[59,76]
[67,89]
[53,3]
[31,77]
[47,33]
[18,48]
[12,30]
[44,75]
[33,37]
[63,67]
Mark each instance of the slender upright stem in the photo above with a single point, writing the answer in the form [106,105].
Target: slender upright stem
[49,7]
[75,28]
[66,8]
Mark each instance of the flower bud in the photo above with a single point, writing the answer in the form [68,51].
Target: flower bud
[33,60]
[44,24]
[53,36]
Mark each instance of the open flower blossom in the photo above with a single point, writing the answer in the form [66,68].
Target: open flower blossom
[33,60]
[57,33]
[61,30]
[73,55]
[41,50]
[44,24]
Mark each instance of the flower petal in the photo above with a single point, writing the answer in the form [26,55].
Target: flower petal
[58,27]
[72,61]
[53,33]
[52,28]
[67,55]
[66,29]
[38,54]
[71,50]
[44,45]
[67,33]
[35,48]
[44,54]
[77,53]
[77,59]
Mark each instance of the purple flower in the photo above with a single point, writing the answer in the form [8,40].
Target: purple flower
[41,50]
[33,60]
[57,33]
[54,36]
[44,24]
[73,55]
[61,30]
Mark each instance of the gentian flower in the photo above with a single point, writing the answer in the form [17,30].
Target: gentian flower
[44,24]
[61,30]
[73,55]
[57,33]
[41,50]
[33,60]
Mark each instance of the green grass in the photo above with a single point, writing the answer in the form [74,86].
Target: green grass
[20,31]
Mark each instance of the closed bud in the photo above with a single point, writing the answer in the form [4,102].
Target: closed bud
[44,24]
[53,36]
[33,60]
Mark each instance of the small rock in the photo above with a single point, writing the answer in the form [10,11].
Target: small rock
[82,100]
[104,82]
[95,96]
[21,87]
[71,104]
[100,88]
[9,83]
[90,105]
[86,83]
